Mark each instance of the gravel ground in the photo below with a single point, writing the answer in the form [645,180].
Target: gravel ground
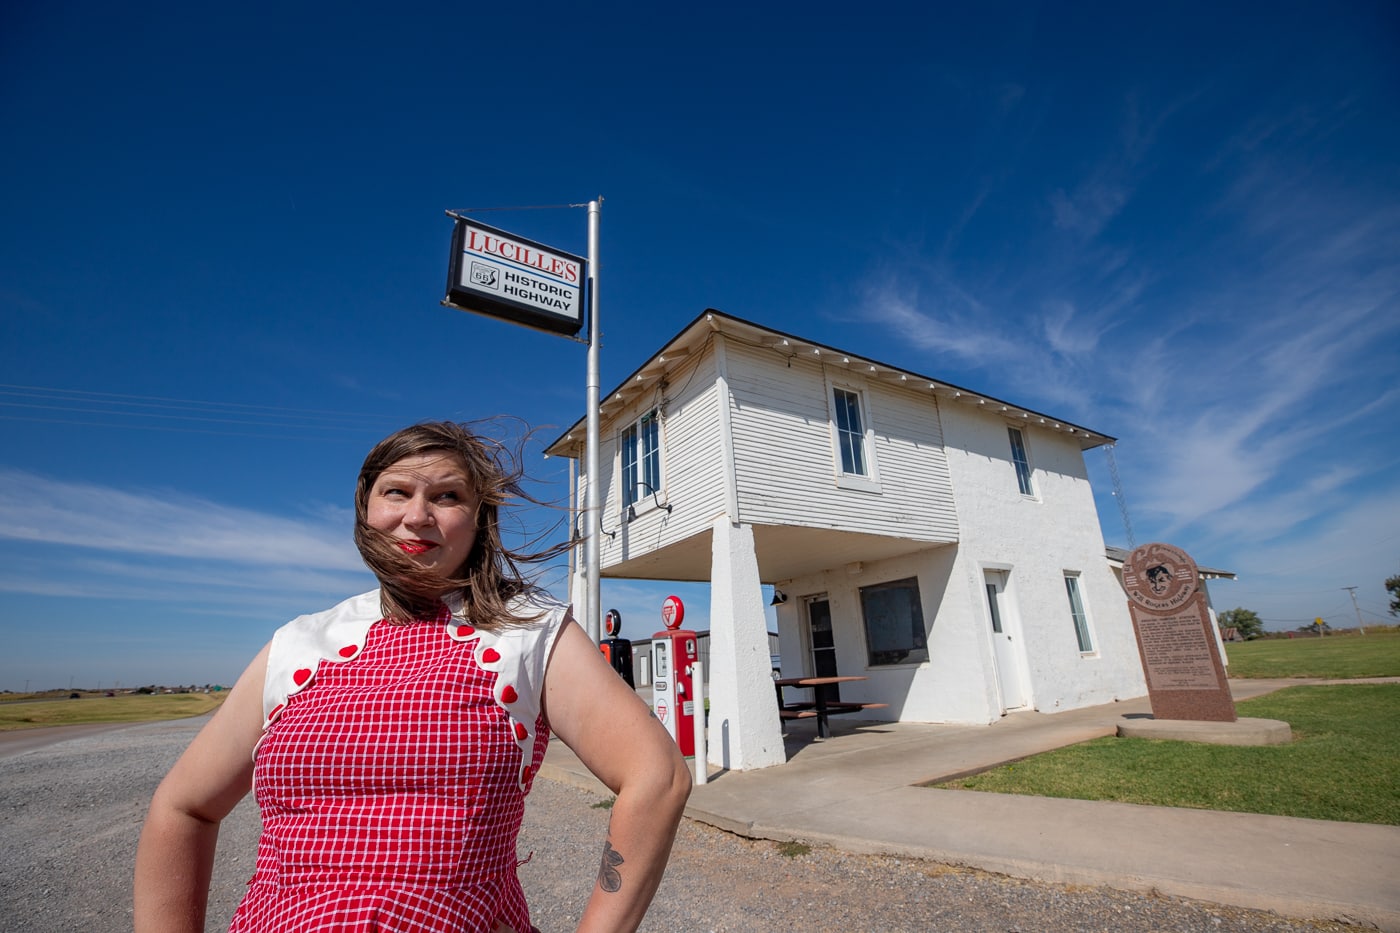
[70,815]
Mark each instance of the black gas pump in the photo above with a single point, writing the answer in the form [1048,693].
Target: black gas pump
[617,650]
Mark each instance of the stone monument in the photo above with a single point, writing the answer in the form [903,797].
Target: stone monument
[1180,654]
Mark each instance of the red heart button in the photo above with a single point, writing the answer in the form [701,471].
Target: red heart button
[302,676]
[465,631]
[520,731]
[508,695]
[490,655]
[349,651]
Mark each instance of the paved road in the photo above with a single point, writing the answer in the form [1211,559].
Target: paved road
[16,741]
[71,807]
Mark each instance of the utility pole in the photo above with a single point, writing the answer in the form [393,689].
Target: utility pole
[592,493]
[1118,495]
[1352,591]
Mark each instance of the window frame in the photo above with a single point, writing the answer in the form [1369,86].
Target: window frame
[1025,473]
[993,604]
[868,481]
[639,452]
[919,634]
[850,438]
[1079,613]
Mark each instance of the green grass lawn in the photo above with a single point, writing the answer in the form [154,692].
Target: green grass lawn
[1342,764]
[1375,654]
[31,714]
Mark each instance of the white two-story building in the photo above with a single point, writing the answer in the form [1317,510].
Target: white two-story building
[939,542]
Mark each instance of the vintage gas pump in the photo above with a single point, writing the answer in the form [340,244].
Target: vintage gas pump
[617,650]
[672,654]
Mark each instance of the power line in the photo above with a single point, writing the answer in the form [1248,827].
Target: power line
[23,391]
[171,417]
[518,207]
[164,413]
[185,429]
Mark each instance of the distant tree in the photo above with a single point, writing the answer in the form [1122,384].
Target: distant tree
[1393,585]
[1245,621]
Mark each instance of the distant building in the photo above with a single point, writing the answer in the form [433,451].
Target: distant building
[939,542]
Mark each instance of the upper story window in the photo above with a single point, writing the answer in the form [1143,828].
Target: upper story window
[1076,611]
[641,459]
[850,431]
[1022,461]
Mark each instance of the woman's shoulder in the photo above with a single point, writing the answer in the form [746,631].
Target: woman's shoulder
[298,647]
[536,603]
[534,616]
[541,617]
[353,611]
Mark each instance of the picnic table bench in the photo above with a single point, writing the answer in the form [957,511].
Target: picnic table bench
[821,707]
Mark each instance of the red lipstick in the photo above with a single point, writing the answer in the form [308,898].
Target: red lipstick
[416,546]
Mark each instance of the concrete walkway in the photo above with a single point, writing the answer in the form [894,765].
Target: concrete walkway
[859,791]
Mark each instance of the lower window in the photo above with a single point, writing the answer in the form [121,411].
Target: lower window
[894,623]
[1076,609]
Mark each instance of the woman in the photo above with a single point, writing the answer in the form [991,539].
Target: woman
[392,739]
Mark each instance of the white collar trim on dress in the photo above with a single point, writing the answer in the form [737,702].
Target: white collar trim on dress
[338,635]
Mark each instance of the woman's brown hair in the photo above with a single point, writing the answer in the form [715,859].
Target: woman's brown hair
[490,578]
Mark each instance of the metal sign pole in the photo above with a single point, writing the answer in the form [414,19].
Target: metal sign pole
[592,507]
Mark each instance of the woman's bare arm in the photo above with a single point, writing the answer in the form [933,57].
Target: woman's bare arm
[614,734]
[175,858]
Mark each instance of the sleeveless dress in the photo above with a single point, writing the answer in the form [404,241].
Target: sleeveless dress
[392,772]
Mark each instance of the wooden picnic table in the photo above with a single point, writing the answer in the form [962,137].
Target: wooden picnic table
[820,707]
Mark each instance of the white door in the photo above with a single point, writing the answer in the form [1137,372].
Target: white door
[1006,650]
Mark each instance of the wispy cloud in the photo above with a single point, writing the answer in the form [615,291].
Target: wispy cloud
[169,524]
[165,581]
[1252,380]
[955,324]
[1089,208]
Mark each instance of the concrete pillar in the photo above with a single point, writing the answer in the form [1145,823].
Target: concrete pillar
[744,730]
[578,592]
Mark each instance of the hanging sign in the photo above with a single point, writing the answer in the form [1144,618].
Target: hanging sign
[502,275]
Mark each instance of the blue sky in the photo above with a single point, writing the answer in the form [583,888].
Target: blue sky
[224,243]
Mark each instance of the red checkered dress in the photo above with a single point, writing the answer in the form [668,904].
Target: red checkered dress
[392,773]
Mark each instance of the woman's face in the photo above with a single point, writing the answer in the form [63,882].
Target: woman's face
[428,504]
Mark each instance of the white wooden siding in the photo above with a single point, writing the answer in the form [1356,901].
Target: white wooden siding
[692,471]
[922,449]
[785,461]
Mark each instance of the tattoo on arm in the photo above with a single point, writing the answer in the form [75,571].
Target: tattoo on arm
[609,878]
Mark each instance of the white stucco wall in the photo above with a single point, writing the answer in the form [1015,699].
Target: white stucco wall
[1037,540]
[952,686]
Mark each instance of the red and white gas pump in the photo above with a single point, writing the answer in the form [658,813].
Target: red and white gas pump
[673,652]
